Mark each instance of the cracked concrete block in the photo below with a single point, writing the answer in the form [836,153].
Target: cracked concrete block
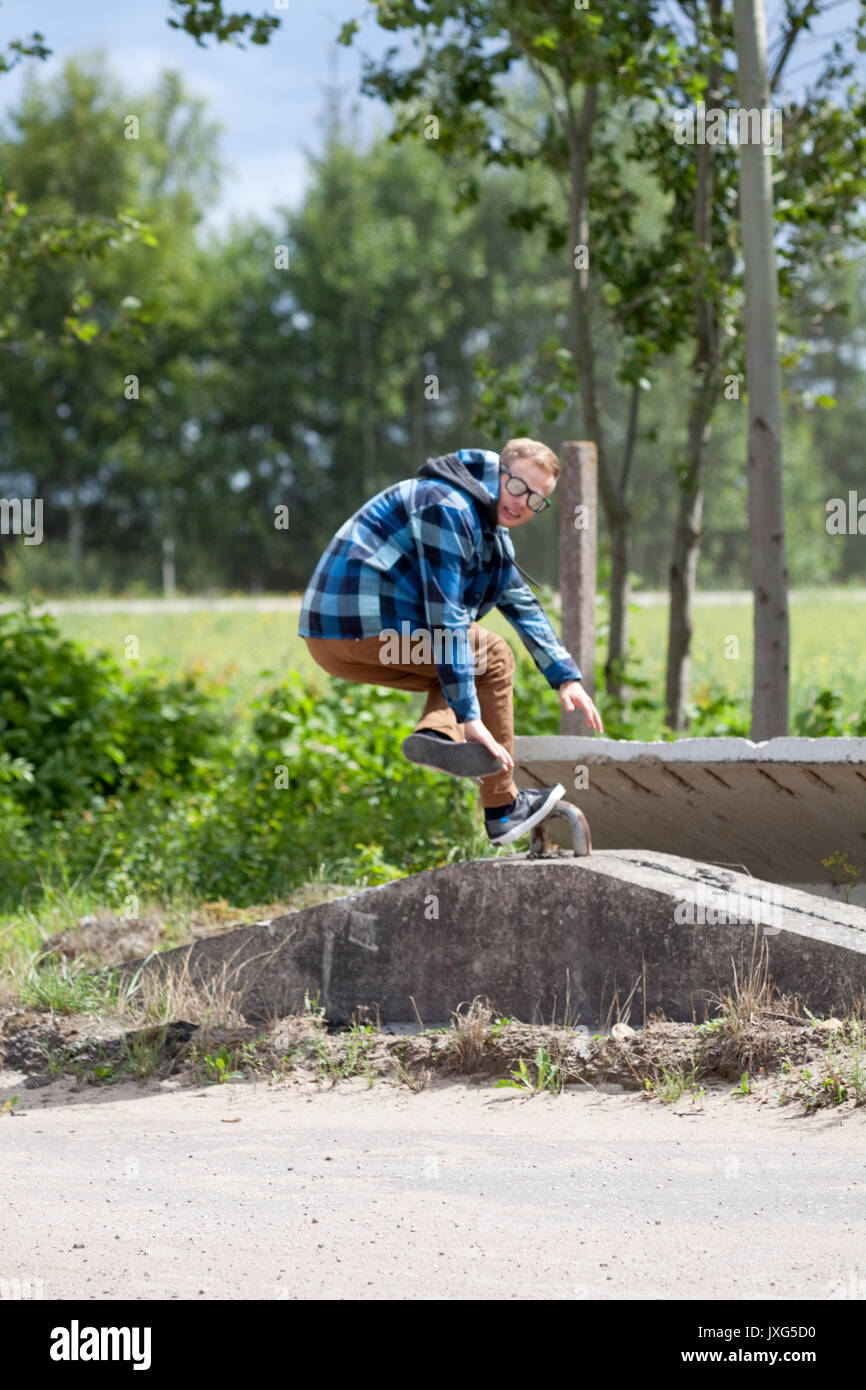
[543,939]
[776,809]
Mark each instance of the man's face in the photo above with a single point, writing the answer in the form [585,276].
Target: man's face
[515,511]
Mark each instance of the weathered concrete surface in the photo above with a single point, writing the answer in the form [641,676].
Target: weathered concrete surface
[252,1191]
[778,808]
[542,939]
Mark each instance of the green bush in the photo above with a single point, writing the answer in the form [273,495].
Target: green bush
[81,730]
[322,778]
[15,848]
[824,719]
[316,778]
[536,705]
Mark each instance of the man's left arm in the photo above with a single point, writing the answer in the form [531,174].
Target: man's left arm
[526,615]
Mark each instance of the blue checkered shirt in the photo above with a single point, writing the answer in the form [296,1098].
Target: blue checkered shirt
[418,553]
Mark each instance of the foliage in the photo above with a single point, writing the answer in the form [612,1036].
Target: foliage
[222,1065]
[30,242]
[133,784]
[844,874]
[74,730]
[69,988]
[824,718]
[713,714]
[841,1074]
[429,291]
[612,83]
[549,1075]
[669,1084]
[207,17]
[33,47]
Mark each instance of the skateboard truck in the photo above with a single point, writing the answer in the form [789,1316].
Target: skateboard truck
[580,836]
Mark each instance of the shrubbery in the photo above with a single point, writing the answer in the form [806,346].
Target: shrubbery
[142,785]
[138,785]
[78,729]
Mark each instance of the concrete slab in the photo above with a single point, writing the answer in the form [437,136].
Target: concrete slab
[544,939]
[776,808]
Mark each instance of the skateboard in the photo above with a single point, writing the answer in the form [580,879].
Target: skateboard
[580,836]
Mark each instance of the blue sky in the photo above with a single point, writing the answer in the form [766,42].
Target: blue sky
[269,99]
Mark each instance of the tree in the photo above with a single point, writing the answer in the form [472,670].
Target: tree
[708,252]
[764,381]
[820,189]
[27,240]
[202,18]
[586,63]
[66,406]
[381,322]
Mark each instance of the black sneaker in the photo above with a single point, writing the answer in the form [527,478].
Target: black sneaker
[469,759]
[529,808]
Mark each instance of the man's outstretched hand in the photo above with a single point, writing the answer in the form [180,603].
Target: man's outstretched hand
[573,696]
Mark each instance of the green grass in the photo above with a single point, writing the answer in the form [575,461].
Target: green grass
[69,988]
[827,650]
[232,649]
[548,1075]
[672,1083]
[843,1076]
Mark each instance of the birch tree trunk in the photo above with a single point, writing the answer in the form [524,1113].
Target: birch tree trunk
[687,534]
[764,385]
[684,568]
[579,133]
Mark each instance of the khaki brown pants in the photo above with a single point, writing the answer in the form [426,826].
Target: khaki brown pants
[358,659]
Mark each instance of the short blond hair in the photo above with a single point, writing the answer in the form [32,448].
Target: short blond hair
[533,452]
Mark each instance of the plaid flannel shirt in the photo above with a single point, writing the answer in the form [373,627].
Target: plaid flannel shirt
[419,553]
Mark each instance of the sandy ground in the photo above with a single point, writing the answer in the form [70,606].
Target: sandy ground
[459,1191]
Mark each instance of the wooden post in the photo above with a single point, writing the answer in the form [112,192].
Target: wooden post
[578,550]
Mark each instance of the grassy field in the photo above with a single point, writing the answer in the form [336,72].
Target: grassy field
[231,649]
[827,648]
[235,648]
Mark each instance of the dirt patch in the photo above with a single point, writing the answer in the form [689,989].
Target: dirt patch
[45,1051]
[103,939]
[815,1062]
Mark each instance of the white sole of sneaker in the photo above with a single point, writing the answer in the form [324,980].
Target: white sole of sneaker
[556,794]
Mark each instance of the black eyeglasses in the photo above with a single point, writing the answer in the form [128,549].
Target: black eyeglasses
[516,486]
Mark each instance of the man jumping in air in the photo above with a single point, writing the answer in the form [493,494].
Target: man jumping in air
[395,599]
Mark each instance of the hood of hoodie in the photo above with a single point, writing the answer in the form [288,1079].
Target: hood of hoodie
[480,478]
